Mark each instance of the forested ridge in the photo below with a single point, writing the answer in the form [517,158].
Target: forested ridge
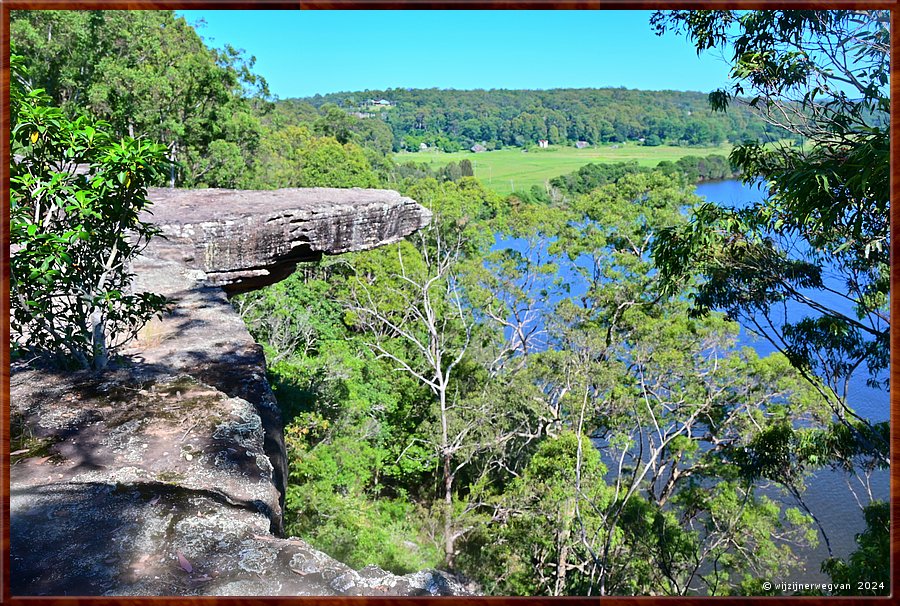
[541,392]
[457,119]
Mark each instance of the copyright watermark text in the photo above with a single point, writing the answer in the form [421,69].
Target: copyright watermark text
[821,587]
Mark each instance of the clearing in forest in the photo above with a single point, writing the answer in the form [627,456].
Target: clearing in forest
[514,169]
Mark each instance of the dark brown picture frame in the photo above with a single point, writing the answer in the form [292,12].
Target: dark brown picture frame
[8,5]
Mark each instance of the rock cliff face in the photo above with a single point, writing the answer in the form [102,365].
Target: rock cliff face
[165,475]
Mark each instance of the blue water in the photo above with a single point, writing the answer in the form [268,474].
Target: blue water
[827,494]
[870,403]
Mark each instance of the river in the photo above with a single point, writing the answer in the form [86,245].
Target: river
[827,494]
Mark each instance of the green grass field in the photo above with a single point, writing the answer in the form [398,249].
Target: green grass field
[512,169]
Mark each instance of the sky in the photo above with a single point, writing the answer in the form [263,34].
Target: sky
[302,53]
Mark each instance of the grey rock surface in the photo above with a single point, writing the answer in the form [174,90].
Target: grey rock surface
[165,475]
[144,539]
[244,240]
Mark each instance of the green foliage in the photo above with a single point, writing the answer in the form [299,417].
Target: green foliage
[69,230]
[867,570]
[294,157]
[349,426]
[823,75]
[423,378]
[827,209]
[328,505]
[450,120]
[326,163]
[148,73]
[592,176]
[335,122]
[537,547]
[695,169]
[550,417]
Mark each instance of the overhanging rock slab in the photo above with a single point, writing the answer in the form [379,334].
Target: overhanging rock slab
[244,240]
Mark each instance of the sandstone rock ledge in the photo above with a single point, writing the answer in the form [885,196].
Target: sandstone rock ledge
[165,475]
[245,240]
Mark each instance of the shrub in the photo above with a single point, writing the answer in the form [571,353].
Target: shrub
[75,198]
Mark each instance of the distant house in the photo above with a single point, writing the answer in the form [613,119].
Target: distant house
[383,102]
[423,146]
[543,143]
[478,148]
[582,144]
[641,140]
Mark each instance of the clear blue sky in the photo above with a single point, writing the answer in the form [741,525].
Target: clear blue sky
[301,53]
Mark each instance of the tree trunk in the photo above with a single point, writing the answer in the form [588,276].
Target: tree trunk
[562,547]
[172,156]
[447,474]
[98,340]
[448,511]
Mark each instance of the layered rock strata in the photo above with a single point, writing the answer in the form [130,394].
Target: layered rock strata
[244,240]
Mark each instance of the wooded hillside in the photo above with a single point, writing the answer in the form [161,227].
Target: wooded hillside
[454,119]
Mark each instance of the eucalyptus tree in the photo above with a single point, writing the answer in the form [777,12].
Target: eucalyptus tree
[412,303]
[149,74]
[670,409]
[808,266]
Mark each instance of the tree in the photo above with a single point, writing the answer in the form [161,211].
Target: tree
[424,309]
[452,119]
[534,547]
[75,231]
[324,162]
[665,402]
[867,570]
[823,76]
[334,122]
[667,396]
[292,156]
[416,312]
[562,427]
[350,424]
[148,73]
[553,135]
[55,48]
